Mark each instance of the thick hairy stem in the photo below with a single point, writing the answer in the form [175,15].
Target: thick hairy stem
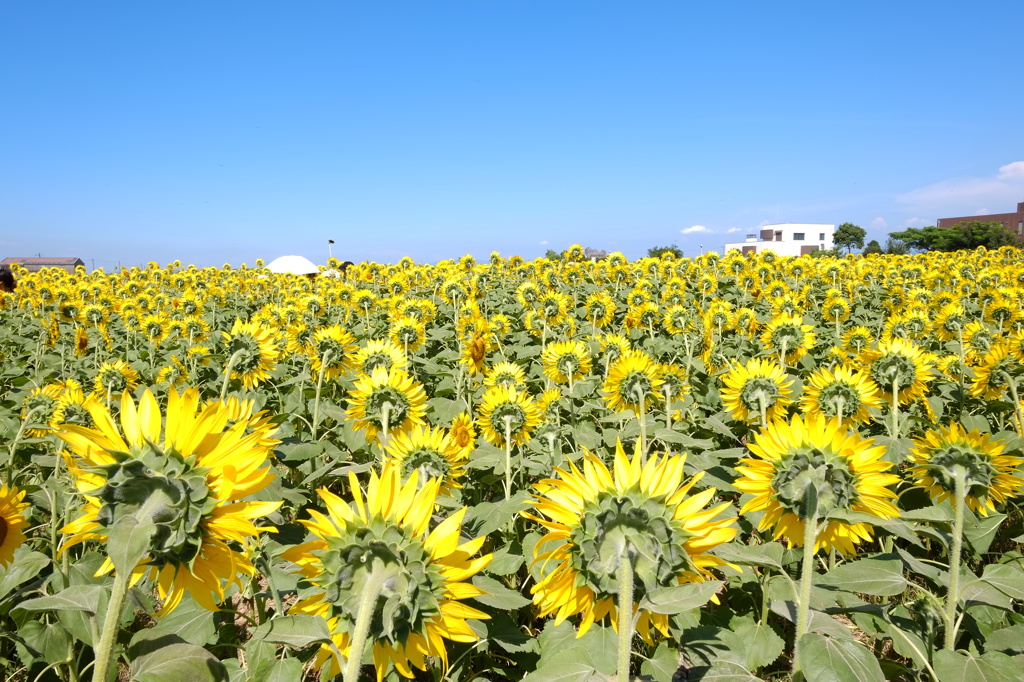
[624,576]
[227,374]
[895,408]
[508,457]
[367,602]
[319,385]
[959,500]
[806,581]
[111,625]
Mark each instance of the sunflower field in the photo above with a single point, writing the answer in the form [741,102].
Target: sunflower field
[724,469]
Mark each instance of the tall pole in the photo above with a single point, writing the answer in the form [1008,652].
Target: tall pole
[329,253]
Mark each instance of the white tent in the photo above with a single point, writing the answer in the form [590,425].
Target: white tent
[293,265]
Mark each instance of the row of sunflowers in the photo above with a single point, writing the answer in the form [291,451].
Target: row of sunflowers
[722,468]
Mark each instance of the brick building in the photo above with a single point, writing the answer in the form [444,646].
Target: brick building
[1014,221]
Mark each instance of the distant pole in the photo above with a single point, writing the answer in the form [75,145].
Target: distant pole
[329,253]
[702,249]
[93,260]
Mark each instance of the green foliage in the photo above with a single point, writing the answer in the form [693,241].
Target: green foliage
[969,235]
[656,251]
[849,236]
[872,247]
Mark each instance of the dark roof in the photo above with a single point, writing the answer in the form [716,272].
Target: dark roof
[41,261]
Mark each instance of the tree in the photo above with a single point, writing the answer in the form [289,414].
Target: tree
[969,235]
[551,254]
[896,247]
[656,251]
[872,247]
[849,236]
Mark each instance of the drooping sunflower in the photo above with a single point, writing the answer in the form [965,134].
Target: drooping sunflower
[390,396]
[566,361]
[813,466]
[632,380]
[188,474]
[254,352]
[380,551]
[990,474]
[12,522]
[843,392]
[758,385]
[475,348]
[502,409]
[788,337]
[430,451]
[115,378]
[640,512]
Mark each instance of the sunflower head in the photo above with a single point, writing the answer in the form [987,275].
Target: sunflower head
[633,380]
[430,452]
[507,414]
[804,470]
[386,396]
[12,522]
[990,474]
[758,386]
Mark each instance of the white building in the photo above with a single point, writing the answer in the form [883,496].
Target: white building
[787,239]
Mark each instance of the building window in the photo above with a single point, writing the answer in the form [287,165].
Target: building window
[1020,227]
[798,236]
[778,235]
[821,237]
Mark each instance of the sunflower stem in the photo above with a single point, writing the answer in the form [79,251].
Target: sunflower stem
[806,582]
[367,603]
[1016,404]
[12,447]
[508,457]
[624,577]
[319,385]
[952,596]
[668,406]
[643,430]
[111,626]
[227,374]
[895,408]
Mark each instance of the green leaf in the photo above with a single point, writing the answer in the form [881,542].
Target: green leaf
[25,565]
[51,641]
[954,666]
[300,452]
[1005,578]
[294,631]
[769,554]
[506,634]
[278,670]
[882,577]
[567,672]
[169,658]
[597,649]
[824,659]
[981,532]
[128,541]
[761,644]
[1009,641]
[498,596]
[722,671]
[75,598]
[663,664]
[680,598]
[190,621]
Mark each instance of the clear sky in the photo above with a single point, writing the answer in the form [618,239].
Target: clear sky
[223,131]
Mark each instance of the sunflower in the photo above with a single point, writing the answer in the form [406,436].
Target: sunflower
[901,364]
[115,378]
[379,552]
[186,478]
[505,374]
[978,341]
[844,393]
[600,309]
[632,381]
[788,337]
[640,512]
[949,322]
[990,474]
[643,316]
[993,375]
[386,400]
[73,406]
[39,407]
[408,332]
[614,345]
[252,352]
[474,352]
[463,434]
[430,451]
[566,361]
[504,409]
[758,386]
[377,353]
[808,467]
[12,522]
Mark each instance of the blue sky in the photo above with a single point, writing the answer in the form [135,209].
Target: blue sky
[221,132]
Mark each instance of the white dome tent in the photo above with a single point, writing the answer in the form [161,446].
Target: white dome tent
[293,265]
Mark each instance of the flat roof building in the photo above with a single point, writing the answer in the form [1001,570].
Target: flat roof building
[36,264]
[787,239]
[1013,221]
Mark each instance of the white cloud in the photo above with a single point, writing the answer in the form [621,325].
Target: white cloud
[879,223]
[982,211]
[968,195]
[694,229]
[544,243]
[733,230]
[916,222]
